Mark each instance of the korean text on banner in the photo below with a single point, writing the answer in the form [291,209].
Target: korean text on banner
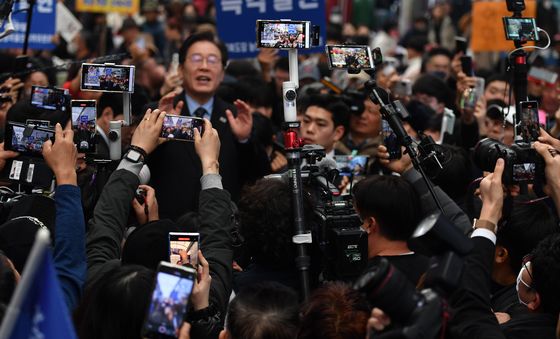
[237,19]
[42,25]
[108,6]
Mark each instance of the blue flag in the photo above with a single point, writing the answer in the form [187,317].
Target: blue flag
[37,309]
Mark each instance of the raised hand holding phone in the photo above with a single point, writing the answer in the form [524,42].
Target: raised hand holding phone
[61,156]
[207,147]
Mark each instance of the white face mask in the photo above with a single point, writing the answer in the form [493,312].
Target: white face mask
[72,48]
[519,280]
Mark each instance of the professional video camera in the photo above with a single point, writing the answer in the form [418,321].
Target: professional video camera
[336,228]
[418,314]
[522,163]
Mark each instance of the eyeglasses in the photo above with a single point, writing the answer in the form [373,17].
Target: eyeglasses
[211,60]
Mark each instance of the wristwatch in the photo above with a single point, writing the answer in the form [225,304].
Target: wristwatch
[480,223]
[135,154]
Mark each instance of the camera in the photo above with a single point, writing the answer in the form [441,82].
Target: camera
[286,34]
[289,93]
[107,78]
[414,314]
[522,163]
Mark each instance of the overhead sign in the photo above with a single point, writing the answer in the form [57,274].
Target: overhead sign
[42,25]
[108,6]
[237,19]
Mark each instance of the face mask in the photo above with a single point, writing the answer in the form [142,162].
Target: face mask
[72,48]
[520,280]
[441,75]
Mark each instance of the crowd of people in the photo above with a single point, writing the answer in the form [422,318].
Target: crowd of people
[502,237]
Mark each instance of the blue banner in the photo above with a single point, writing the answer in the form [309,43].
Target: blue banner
[237,21]
[43,25]
[43,311]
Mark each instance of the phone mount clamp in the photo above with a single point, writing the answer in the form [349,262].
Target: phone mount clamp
[390,111]
[293,147]
[115,127]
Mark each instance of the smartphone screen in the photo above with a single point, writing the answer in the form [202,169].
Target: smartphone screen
[351,165]
[107,78]
[349,56]
[26,139]
[172,289]
[283,34]
[84,114]
[50,98]
[523,29]
[529,123]
[180,127]
[524,172]
[391,141]
[183,249]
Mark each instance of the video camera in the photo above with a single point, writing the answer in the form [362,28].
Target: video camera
[418,314]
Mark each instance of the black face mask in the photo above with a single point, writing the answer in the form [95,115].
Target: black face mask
[439,74]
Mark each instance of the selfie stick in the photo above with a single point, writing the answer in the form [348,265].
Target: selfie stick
[391,114]
[292,146]
[518,62]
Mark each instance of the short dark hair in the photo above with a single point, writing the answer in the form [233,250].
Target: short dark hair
[334,311]
[433,86]
[331,103]
[392,201]
[524,228]
[283,64]
[111,100]
[497,77]
[439,51]
[203,36]
[266,222]
[115,304]
[545,269]
[264,310]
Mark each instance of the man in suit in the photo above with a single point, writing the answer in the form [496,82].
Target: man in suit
[174,166]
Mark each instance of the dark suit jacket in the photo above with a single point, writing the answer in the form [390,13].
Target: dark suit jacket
[176,169]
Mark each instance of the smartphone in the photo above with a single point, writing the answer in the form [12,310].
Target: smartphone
[180,127]
[84,115]
[390,141]
[183,248]
[466,65]
[351,165]
[283,34]
[529,123]
[26,139]
[349,56]
[171,291]
[107,78]
[402,88]
[521,29]
[460,45]
[50,98]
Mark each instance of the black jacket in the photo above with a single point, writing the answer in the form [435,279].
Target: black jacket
[103,246]
[176,169]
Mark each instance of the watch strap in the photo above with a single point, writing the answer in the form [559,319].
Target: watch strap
[139,150]
[481,223]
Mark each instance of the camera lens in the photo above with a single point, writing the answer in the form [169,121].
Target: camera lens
[113,136]
[291,95]
[387,288]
